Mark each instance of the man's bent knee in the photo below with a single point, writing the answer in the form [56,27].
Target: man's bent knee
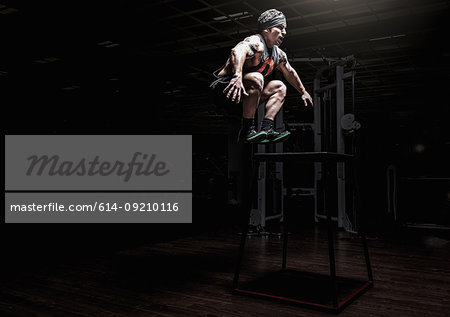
[280,88]
[254,81]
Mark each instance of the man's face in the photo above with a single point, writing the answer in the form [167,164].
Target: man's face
[277,34]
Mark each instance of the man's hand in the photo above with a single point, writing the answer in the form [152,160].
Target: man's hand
[307,99]
[235,89]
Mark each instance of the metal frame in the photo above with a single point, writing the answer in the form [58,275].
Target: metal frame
[321,113]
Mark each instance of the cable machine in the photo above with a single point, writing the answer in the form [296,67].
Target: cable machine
[331,124]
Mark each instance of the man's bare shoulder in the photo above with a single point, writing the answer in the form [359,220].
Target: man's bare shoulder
[282,56]
[254,42]
[283,62]
[253,39]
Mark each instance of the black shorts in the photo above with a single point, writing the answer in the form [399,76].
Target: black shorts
[223,104]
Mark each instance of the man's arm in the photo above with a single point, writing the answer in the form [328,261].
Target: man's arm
[242,51]
[292,77]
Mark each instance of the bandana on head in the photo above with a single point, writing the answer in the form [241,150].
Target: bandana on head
[275,21]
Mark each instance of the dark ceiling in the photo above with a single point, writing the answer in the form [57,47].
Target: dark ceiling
[140,64]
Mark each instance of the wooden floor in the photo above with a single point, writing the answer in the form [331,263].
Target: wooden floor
[191,276]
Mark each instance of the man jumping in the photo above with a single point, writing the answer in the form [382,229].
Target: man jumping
[247,78]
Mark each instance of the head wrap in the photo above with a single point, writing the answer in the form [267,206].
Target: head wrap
[270,22]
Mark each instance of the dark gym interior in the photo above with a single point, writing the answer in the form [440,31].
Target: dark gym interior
[144,68]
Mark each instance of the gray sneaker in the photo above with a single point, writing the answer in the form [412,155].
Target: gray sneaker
[251,135]
[276,136]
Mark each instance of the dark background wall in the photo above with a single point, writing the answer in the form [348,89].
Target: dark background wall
[59,77]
